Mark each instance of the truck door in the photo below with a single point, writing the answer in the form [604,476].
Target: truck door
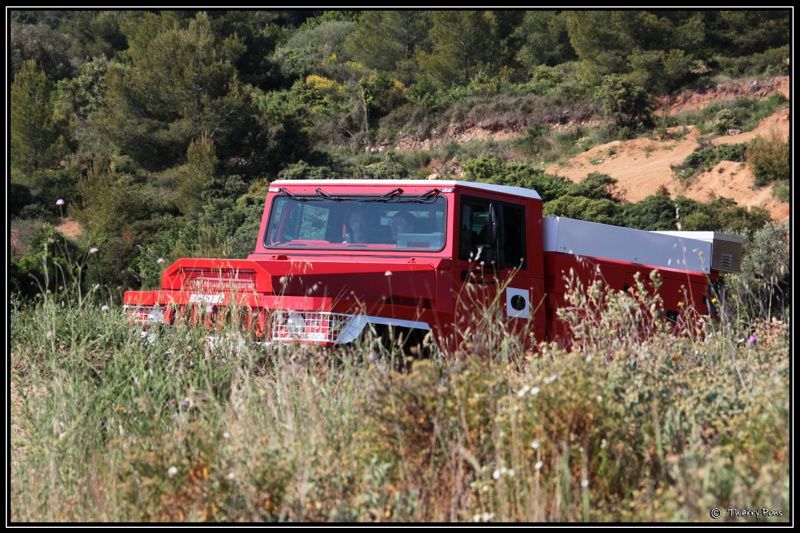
[492,266]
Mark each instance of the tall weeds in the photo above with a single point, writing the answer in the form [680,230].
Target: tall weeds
[633,424]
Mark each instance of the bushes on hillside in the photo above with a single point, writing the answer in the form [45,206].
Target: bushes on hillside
[628,105]
[768,158]
[705,157]
[762,290]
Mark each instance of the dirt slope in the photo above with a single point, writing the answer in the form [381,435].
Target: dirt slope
[698,99]
[641,166]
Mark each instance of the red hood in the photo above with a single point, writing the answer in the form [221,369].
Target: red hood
[401,283]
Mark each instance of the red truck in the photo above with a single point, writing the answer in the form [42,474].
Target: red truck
[337,258]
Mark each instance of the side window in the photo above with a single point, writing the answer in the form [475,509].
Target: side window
[475,229]
[513,236]
[475,232]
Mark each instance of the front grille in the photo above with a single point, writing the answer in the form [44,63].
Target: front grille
[224,280]
[221,284]
[288,326]
[137,314]
[281,326]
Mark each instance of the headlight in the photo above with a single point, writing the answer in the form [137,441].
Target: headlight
[295,325]
[308,326]
[155,316]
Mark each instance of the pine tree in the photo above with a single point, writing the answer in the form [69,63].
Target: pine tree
[386,40]
[178,83]
[196,176]
[463,44]
[38,138]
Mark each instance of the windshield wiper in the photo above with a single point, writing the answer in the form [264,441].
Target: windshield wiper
[391,195]
[430,195]
[328,196]
[292,196]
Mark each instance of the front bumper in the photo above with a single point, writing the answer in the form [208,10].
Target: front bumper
[277,326]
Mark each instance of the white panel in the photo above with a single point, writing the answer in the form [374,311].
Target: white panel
[525,312]
[708,236]
[579,237]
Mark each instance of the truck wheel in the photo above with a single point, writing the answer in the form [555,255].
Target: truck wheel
[402,345]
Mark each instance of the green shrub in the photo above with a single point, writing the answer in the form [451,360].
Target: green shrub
[705,157]
[654,213]
[602,210]
[725,120]
[596,186]
[627,104]
[770,62]
[768,158]
[742,113]
[491,169]
[762,290]
[782,191]
[719,214]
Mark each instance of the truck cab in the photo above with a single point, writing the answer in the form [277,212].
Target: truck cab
[424,258]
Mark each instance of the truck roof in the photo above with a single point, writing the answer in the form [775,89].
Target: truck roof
[505,189]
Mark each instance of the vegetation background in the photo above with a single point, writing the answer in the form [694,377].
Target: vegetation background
[138,137]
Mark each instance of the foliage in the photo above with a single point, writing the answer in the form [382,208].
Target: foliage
[313,46]
[385,40]
[543,40]
[772,61]
[39,43]
[49,264]
[718,214]
[654,213]
[391,166]
[768,157]
[623,428]
[195,177]
[39,138]
[86,91]
[742,113]
[596,186]
[462,44]
[603,210]
[154,110]
[260,36]
[762,290]
[705,157]
[627,104]
[519,174]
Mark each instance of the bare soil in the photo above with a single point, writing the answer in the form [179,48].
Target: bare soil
[70,228]
[698,99]
[642,166]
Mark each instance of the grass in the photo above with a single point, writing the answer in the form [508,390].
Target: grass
[626,427]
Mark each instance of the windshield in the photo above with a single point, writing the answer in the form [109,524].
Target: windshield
[357,222]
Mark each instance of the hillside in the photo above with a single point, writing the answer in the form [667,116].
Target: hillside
[642,166]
